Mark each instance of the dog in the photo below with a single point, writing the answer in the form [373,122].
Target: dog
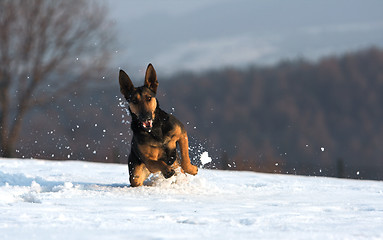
[155,133]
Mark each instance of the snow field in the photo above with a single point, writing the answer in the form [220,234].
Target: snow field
[81,200]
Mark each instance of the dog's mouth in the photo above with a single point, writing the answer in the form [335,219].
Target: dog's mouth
[148,124]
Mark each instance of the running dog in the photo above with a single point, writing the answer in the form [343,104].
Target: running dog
[155,133]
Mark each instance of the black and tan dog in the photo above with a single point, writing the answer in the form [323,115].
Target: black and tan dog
[155,133]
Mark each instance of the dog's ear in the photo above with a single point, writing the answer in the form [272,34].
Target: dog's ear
[126,85]
[151,78]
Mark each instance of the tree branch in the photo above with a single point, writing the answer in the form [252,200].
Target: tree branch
[39,42]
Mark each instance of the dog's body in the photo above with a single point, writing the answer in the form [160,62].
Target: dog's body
[155,133]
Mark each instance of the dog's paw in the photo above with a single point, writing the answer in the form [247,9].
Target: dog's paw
[191,169]
[168,174]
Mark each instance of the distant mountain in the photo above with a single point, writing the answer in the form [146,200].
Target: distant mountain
[201,35]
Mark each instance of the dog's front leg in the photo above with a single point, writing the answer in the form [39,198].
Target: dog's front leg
[137,171]
[185,159]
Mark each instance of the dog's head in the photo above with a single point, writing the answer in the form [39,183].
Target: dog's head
[142,100]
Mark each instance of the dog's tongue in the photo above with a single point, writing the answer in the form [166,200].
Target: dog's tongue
[147,124]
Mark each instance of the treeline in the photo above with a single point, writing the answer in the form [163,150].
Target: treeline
[297,117]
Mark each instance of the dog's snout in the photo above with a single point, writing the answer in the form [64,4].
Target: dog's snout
[145,116]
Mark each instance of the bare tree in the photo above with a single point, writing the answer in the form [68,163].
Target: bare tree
[47,48]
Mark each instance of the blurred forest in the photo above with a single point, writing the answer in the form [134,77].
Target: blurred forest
[298,117]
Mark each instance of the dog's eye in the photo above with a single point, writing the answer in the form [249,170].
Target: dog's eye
[148,99]
[134,101]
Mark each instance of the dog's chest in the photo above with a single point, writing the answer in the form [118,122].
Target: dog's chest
[155,147]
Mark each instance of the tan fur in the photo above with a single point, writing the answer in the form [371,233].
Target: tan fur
[143,103]
[151,153]
[185,160]
[140,173]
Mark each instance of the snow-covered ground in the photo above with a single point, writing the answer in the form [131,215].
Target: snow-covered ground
[82,200]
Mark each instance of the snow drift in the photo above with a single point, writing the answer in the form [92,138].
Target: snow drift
[82,200]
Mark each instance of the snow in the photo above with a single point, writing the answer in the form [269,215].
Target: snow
[205,159]
[81,200]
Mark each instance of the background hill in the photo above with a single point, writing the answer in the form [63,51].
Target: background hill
[300,117]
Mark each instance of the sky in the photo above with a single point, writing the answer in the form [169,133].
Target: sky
[198,35]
